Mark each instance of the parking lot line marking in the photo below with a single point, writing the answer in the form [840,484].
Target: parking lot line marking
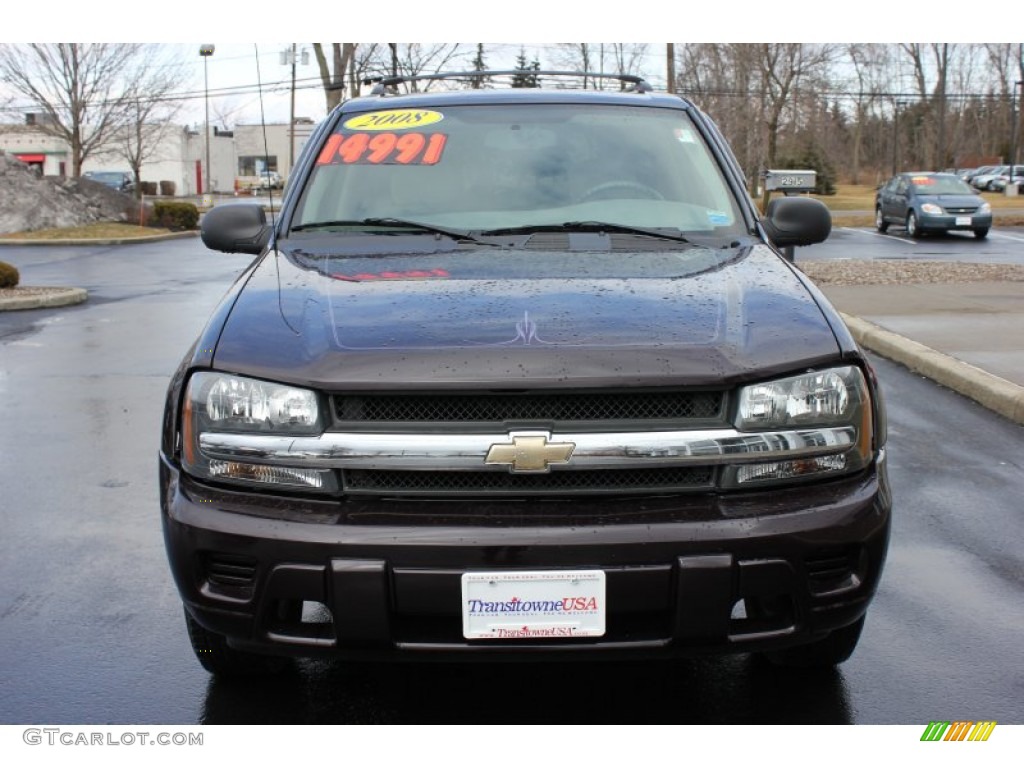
[1006,237]
[879,234]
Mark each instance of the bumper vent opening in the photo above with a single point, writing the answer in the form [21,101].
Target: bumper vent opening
[301,622]
[834,570]
[230,576]
[663,480]
[762,616]
[316,613]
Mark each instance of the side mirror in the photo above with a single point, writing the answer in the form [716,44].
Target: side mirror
[236,229]
[797,221]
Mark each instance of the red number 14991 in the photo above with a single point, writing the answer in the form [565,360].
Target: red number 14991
[383,148]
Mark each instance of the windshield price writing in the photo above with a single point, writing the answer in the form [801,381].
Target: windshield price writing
[383,149]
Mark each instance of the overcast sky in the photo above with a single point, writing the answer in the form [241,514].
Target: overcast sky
[233,73]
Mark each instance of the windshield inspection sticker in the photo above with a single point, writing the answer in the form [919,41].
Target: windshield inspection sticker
[383,149]
[393,120]
[685,136]
[719,218]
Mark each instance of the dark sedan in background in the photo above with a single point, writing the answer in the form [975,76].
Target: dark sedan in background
[931,202]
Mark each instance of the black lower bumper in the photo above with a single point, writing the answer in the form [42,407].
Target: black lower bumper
[777,568]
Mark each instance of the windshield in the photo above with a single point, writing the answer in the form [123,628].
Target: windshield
[480,168]
[940,185]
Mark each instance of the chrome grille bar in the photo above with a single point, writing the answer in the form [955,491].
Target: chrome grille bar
[446,452]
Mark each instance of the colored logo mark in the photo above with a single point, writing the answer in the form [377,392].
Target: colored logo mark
[958,730]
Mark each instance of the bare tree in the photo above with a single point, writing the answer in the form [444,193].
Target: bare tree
[334,75]
[783,68]
[150,113]
[225,111]
[85,91]
[415,60]
[869,63]
[611,58]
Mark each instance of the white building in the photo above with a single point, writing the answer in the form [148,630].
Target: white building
[179,154]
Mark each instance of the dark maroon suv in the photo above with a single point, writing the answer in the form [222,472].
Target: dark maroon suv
[522,374]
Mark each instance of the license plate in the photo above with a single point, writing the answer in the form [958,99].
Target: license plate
[963,221]
[510,605]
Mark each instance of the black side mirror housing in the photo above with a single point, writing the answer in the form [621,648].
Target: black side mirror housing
[797,221]
[236,229]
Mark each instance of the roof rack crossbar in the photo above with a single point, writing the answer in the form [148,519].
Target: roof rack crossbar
[381,84]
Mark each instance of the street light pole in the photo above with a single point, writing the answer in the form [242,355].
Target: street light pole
[206,51]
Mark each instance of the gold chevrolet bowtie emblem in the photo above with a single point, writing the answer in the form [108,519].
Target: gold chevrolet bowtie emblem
[529,453]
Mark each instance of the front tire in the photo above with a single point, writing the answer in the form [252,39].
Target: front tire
[219,658]
[834,649]
[880,223]
[913,229]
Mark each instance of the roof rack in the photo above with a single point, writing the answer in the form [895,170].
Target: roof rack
[382,84]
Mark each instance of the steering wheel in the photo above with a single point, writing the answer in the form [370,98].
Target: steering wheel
[647,192]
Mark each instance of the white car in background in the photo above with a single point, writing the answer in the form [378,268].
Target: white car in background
[270,180]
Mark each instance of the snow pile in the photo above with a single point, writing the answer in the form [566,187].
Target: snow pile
[29,202]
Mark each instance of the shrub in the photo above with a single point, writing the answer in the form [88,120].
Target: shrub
[175,215]
[9,276]
[812,159]
[147,188]
[167,188]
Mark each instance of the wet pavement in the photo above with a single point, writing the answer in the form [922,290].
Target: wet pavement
[91,629]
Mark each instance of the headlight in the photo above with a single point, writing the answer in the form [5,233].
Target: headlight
[236,404]
[218,403]
[807,410]
[931,208]
[985,208]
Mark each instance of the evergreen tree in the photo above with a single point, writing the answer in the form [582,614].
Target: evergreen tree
[525,76]
[479,65]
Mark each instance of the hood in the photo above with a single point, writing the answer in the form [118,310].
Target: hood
[954,201]
[502,318]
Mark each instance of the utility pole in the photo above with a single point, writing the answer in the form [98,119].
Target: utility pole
[292,57]
[291,121]
[670,55]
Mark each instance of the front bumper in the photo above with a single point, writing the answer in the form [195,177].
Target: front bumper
[949,223]
[686,575]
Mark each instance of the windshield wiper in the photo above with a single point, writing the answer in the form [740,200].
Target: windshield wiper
[603,226]
[588,226]
[389,223]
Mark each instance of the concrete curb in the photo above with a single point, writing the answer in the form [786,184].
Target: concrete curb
[995,393]
[58,297]
[112,241]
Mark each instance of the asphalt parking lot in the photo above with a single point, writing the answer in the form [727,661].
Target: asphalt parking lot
[92,630]
[1004,245]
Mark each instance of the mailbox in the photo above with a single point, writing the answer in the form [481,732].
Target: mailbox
[790,182]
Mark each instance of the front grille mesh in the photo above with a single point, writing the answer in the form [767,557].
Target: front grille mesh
[662,479]
[502,408]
